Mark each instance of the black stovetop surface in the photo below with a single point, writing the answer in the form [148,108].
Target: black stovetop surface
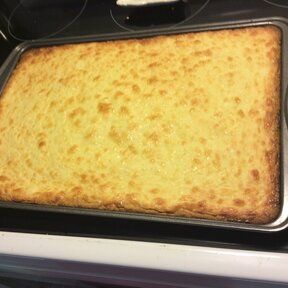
[34,19]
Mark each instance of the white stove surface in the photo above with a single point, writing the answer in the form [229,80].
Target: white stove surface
[256,265]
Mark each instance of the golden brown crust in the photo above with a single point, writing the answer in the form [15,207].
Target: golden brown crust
[184,125]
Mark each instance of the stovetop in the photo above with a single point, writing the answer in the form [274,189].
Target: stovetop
[32,19]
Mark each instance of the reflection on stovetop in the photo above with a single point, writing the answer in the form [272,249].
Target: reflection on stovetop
[34,19]
[277,3]
[153,17]
[103,16]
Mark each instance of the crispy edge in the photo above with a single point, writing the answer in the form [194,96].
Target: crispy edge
[271,209]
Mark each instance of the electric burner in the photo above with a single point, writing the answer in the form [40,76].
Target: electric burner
[28,20]
[161,16]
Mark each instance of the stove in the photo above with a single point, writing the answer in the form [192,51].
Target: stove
[32,19]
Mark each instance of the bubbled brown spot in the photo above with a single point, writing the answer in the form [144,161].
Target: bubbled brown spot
[160,201]
[3,178]
[255,174]
[241,113]
[136,88]
[41,144]
[104,108]
[72,149]
[239,202]
[77,112]
[152,80]
[154,137]
[154,191]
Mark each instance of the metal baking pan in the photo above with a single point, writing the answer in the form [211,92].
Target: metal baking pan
[279,224]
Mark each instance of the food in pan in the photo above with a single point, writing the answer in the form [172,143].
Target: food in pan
[184,125]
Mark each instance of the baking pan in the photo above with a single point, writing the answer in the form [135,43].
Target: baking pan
[279,224]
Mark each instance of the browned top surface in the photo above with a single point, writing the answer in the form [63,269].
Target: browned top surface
[184,125]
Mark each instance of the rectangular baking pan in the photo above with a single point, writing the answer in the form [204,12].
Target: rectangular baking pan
[279,224]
